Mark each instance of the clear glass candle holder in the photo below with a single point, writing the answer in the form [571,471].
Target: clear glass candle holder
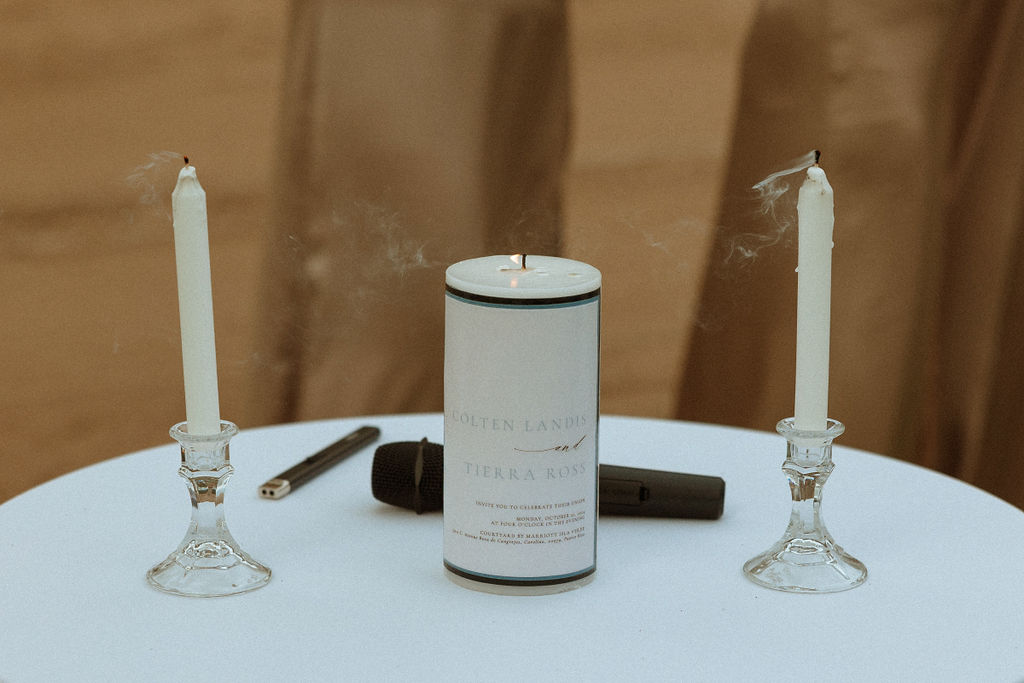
[807,559]
[208,562]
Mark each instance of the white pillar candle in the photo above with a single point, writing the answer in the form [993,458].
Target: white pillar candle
[521,413]
[814,290]
[195,304]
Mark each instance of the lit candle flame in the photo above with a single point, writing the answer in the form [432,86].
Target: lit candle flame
[519,260]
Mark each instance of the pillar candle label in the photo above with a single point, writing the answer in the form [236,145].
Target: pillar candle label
[521,418]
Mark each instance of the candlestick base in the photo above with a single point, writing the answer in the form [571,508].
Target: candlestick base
[807,559]
[208,562]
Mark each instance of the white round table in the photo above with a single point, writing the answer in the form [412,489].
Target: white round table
[358,590]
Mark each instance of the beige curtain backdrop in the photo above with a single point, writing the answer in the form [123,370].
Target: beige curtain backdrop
[918,108]
[415,134]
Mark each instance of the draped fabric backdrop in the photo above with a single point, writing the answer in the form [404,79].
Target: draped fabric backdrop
[414,135]
[918,108]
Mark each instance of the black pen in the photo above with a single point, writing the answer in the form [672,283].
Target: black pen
[293,477]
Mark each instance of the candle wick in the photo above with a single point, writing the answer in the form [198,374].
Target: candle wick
[817,156]
[186,160]
[524,262]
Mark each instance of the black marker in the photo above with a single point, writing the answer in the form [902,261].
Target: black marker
[293,477]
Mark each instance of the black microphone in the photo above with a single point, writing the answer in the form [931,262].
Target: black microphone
[410,474]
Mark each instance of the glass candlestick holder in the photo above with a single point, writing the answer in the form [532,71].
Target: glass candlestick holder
[807,559]
[208,562]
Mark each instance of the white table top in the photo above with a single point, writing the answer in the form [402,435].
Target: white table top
[358,591]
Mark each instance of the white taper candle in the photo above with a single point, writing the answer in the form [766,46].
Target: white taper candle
[814,291]
[195,304]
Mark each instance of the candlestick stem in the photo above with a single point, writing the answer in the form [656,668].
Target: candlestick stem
[208,562]
[807,559]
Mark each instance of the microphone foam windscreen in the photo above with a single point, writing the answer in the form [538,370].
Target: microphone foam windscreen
[409,474]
